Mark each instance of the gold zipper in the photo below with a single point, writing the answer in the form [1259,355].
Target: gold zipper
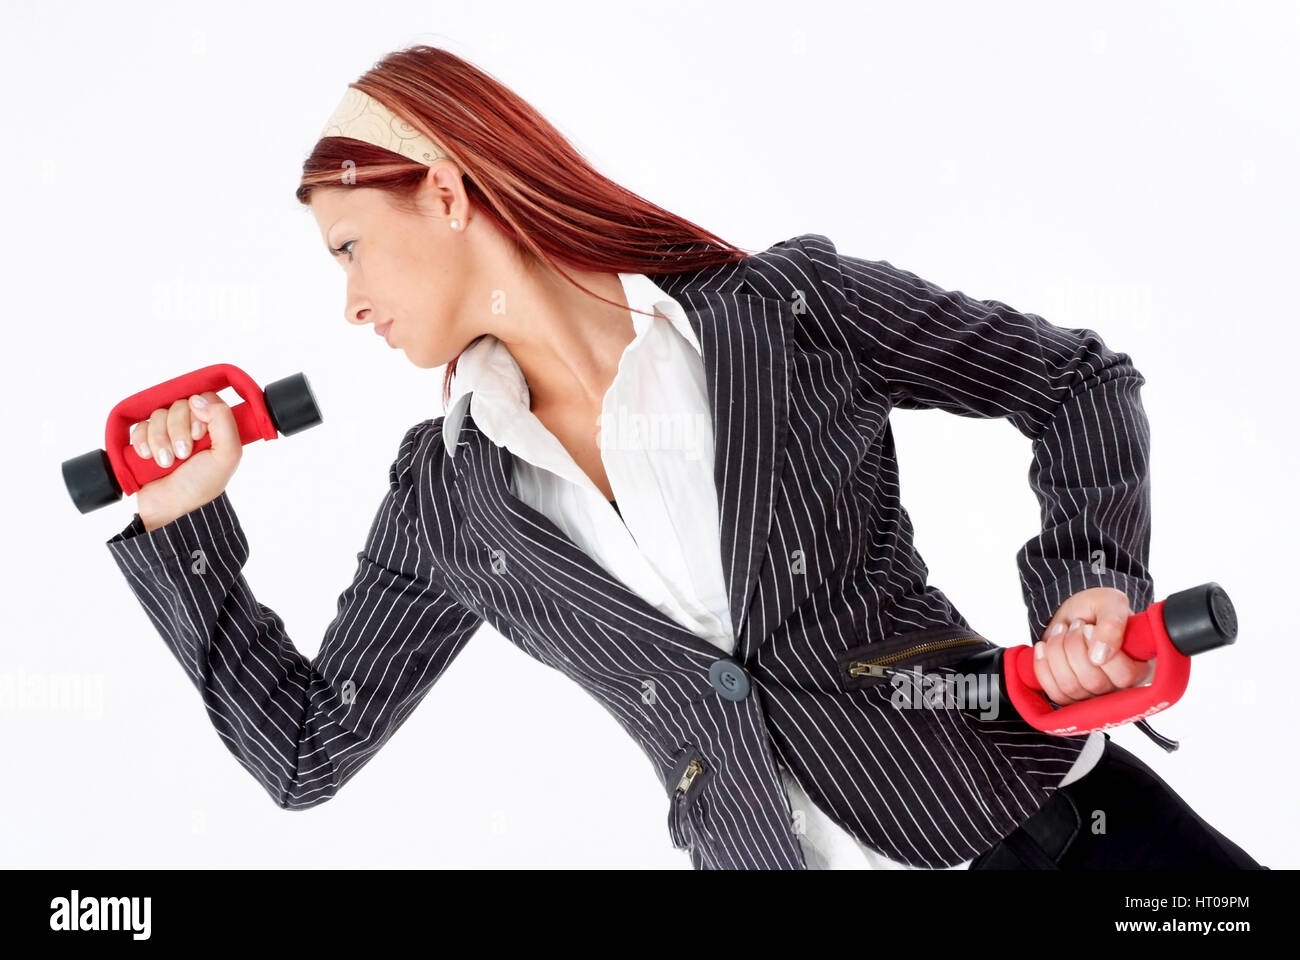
[875,668]
[693,770]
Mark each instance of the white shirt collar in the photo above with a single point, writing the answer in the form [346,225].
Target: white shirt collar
[490,367]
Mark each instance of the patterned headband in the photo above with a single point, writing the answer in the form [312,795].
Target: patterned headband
[362,117]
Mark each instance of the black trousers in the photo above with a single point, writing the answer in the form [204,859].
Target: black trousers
[1147,826]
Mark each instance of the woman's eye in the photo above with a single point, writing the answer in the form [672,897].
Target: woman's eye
[343,248]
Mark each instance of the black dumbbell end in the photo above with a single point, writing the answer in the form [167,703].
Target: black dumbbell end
[989,664]
[291,404]
[90,481]
[1200,618]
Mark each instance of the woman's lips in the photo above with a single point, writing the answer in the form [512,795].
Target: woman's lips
[383,331]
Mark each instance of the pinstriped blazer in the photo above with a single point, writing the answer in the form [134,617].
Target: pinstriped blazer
[805,351]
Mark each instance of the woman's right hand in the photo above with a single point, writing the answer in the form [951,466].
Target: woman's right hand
[168,437]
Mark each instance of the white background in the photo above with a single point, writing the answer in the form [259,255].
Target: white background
[1123,167]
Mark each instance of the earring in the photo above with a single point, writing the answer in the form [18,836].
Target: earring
[455,224]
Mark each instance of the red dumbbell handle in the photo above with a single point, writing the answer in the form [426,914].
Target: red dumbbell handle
[134,471]
[1145,638]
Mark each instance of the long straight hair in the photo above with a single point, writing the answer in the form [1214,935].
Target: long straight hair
[518,170]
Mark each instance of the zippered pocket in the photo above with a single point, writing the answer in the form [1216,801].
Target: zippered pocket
[685,780]
[874,663]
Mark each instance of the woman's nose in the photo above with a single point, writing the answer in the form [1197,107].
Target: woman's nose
[356,308]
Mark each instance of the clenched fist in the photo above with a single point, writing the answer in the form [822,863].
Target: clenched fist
[168,436]
[1079,655]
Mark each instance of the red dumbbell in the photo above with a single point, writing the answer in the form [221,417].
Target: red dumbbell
[1169,631]
[101,477]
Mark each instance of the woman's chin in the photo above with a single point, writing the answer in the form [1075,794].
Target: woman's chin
[422,360]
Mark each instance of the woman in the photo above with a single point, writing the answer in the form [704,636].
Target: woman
[737,404]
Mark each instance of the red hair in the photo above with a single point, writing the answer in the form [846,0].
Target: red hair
[518,170]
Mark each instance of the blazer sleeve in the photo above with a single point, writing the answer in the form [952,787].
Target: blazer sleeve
[302,727]
[1076,399]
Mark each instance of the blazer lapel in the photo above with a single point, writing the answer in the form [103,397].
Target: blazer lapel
[742,337]
[742,340]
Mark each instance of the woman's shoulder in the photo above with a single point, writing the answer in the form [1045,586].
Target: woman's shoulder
[802,243]
[423,479]
[421,455]
[796,261]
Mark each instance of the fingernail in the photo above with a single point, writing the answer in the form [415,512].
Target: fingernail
[1075,624]
[1098,653]
[1057,630]
[182,449]
[1040,650]
[164,457]
[195,429]
[198,401]
[142,448]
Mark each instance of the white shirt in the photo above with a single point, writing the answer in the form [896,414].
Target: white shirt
[656,445]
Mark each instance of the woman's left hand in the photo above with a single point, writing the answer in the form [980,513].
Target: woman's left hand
[1064,660]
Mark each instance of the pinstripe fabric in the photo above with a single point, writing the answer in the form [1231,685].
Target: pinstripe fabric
[805,351]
